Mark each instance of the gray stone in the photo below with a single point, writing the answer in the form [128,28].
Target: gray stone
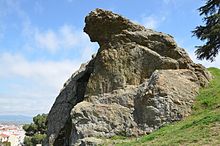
[138,81]
[89,141]
[166,97]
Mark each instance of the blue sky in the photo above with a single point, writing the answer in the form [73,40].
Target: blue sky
[42,43]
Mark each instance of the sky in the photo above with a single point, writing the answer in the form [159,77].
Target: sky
[42,43]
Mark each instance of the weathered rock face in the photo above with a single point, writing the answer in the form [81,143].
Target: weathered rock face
[138,81]
[167,97]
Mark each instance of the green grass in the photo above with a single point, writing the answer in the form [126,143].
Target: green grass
[201,128]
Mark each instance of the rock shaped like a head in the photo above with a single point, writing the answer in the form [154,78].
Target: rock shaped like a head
[101,24]
[128,53]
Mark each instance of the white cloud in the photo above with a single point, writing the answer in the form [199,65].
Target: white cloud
[206,63]
[31,86]
[69,37]
[50,39]
[152,22]
[65,38]
[47,40]
[37,82]
[52,73]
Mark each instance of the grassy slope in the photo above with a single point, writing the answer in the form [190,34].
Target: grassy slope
[201,128]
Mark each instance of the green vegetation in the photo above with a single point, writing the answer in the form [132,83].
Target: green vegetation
[201,128]
[5,144]
[35,132]
[210,32]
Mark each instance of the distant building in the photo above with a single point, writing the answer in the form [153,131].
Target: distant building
[13,139]
[4,137]
[13,134]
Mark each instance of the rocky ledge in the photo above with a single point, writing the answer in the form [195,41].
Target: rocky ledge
[138,81]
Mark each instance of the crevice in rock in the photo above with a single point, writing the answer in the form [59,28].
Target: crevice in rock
[81,87]
[81,81]
[63,137]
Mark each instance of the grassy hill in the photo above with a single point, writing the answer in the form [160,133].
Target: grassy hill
[201,128]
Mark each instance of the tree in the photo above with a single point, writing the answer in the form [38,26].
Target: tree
[36,131]
[210,32]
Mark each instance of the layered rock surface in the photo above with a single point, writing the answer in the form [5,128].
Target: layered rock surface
[138,81]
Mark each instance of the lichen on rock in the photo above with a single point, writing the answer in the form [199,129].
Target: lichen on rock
[138,81]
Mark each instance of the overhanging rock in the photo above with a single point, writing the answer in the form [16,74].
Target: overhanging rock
[138,81]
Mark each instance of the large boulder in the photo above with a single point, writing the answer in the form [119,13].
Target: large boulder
[138,81]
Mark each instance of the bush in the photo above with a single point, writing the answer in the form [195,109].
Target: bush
[36,131]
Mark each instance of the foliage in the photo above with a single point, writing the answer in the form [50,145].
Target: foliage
[35,139]
[201,128]
[5,143]
[30,129]
[36,131]
[210,32]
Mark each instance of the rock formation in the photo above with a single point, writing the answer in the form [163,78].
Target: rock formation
[138,81]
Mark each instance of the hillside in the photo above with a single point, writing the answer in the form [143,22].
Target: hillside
[201,128]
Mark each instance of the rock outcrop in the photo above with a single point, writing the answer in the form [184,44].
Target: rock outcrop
[138,81]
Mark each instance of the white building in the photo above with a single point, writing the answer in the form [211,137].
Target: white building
[4,137]
[13,134]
